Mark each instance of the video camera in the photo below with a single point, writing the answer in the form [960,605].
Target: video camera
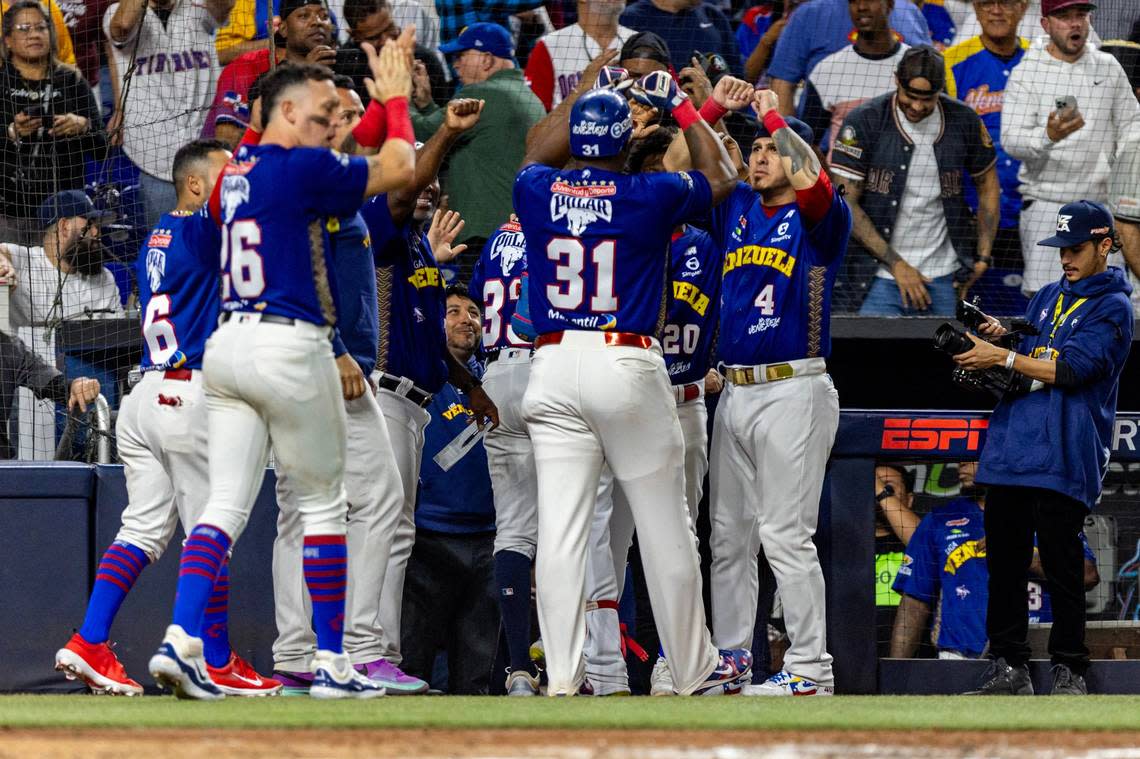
[997,380]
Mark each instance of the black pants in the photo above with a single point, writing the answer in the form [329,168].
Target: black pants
[449,602]
[1013,514]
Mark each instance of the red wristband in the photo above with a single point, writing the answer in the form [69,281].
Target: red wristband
[251,137]
[399,123]
[773,121]
[686,115]
[712,111]
[369,133]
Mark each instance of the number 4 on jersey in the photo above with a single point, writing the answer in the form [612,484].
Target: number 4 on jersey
[766,300]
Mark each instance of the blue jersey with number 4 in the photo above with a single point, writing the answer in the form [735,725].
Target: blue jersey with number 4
[597,244]
[273,203]
[693,310]
[177,272]
[496,282]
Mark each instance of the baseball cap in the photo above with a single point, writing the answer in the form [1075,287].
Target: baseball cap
[922,62]
[1078,223]
[646,45]
[797,126]
[288,6]
[68,205]
[1049,7]
[485,36]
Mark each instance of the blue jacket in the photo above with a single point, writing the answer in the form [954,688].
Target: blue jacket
[1059,438]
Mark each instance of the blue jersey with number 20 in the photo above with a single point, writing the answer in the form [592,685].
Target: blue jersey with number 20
[597,244]
[273,203]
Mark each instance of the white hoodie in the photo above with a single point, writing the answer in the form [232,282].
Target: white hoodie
[1077,166]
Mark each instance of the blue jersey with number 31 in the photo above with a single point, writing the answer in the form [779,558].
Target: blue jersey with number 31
[497,284]
[273,203]
[597,244]
[177,272]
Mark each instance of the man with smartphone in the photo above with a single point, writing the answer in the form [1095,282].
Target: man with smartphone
[1068,110]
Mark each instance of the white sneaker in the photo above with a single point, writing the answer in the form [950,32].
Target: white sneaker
[334,677]
[522,683]
[180,666]
[787,684]
[661,680]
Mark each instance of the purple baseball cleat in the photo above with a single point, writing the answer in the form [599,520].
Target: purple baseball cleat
[394,679]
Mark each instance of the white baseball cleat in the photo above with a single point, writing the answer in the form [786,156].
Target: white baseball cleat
[661,679]
[334,677]
[787,684]
[180,666]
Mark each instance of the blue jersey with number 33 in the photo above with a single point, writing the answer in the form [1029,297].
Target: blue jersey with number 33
[497,284]
[597,244]
[273,203]
[177,272]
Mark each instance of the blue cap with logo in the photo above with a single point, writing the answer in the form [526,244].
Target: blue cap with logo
[1079,222]
[485,36]
[68,205]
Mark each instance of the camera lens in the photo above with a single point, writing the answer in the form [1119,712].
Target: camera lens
[951,340]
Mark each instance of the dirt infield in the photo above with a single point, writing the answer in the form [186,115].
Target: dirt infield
[562,744]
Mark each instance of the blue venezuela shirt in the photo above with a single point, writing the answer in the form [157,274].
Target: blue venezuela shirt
[496,282]
[177,273]
[597,244]
[691,323]
[273,203]
[409,290]
[356,291]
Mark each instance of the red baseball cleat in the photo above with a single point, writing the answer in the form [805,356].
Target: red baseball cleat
[97,666]
[239,678]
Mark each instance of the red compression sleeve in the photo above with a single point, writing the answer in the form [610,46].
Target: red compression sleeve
[712,111]
[251,137]
[773,121]
[686,115]
[399,123]
[815,201]
[373,126]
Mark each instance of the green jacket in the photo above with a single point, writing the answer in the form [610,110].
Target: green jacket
[483,163]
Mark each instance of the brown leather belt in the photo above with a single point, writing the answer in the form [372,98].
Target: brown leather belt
[626,339]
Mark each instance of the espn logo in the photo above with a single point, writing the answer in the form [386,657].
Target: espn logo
[938,434]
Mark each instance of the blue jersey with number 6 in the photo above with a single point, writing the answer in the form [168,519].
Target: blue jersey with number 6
[496,282]
[692,321]
[272,203]
[597,244]
[177,272]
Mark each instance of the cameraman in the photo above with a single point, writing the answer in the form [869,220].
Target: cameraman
[1047,449]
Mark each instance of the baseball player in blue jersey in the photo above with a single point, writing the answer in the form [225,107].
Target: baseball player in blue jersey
[784,233]
[497,284]
[599,393]
[270,375]
[162,432]
[412,359]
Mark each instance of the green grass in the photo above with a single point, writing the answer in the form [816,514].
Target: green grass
[840,713]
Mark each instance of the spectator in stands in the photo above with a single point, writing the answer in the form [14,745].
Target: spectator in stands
[977,71]
[901,157]
[687,26]
[84,24]
[559,58]
[484,162]
[757,37]
[895,523]
[821,27]
[644,53]
[449,589]
[862,70]
[376,22]
[1065,151]
[65,50]
[943,31]
[457,15]
[50,119]
[307,37]
[22,368]
[164,49]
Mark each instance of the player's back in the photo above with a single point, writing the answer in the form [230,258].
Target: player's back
[694,307]
[273,203]
[497,281]
[177,272]
[598,244]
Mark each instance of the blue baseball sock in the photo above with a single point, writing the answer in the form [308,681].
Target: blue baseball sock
[326,575]
[216,622]
[202,558]
[512,575]
[116,575]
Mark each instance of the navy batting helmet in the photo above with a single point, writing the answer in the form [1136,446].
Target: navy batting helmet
[599,124]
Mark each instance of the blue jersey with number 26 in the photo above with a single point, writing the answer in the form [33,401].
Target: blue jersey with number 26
[597,244]
[273,203]
[497,284]
[177,272]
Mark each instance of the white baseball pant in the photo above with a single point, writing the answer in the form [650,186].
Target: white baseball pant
[769,456]
[161,432]
[274,384]
[375,500]
[611,536]
[590,404]
[510,455]
[406,423]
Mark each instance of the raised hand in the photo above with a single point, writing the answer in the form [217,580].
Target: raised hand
[732,93]
[658,90]
[445,227]
[463,113]
[391,73]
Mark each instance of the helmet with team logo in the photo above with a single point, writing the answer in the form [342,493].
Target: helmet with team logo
[600,124]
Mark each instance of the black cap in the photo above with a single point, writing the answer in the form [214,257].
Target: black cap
[922,62]
[288,6]
[646,45]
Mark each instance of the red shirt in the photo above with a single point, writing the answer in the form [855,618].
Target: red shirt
[231,101]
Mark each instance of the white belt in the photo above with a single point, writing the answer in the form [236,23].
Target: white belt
[762,373]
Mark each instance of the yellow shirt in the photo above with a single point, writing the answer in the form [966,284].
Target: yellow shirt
[242,26]
[65,52]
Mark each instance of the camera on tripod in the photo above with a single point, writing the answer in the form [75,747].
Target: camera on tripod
[996,380]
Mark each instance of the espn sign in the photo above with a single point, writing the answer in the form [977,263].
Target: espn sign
[946,434]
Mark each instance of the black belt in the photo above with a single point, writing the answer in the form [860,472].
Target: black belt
[265,318]
[494,356]
[414,394]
